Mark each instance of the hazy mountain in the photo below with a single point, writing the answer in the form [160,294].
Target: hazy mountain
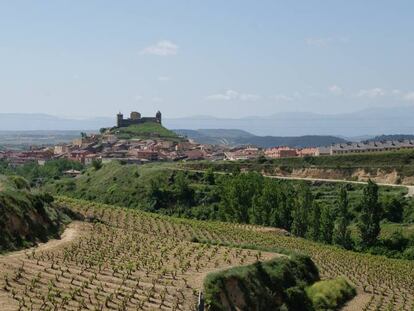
[368,122]
[45,122]
[238,137]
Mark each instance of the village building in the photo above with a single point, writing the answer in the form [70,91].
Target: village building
[281,152]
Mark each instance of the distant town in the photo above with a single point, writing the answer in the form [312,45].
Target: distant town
[112,145]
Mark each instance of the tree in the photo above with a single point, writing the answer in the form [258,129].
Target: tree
[238,193]
[315,222]
[327,224]
[97,164]
[265,206]
[393,209]
[302,206]
[342,234]
[182,190]
[370,217]
[283,215]
[209,176]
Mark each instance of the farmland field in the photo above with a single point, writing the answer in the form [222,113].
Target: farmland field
[131,260]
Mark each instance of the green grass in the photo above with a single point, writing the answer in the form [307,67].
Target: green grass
[330,294]
[149,130]
[26,217]
[278,283]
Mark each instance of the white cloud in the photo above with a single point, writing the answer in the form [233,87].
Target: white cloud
[409,97]
[161,48]
[233,95]
[336,90]
[372,93]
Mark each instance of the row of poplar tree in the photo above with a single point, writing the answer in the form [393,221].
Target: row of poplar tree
[251,198]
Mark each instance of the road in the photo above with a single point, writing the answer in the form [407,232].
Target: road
[410,188]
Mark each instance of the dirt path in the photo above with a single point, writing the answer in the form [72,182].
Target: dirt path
[72,231]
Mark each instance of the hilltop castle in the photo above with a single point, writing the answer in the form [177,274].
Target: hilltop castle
[135,118]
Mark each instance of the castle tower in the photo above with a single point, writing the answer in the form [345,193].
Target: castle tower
[158,116]
[119,119]
[135,115]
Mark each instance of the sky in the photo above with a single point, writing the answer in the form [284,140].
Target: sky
[223,58]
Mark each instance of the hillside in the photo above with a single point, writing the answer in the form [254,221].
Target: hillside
[232,137]
[395,167]
[145,131]
[129,260]
[27,217]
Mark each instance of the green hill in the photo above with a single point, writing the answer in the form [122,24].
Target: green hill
[27,217]
[147,130]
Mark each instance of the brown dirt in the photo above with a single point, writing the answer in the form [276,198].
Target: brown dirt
[358,303]
[9,260]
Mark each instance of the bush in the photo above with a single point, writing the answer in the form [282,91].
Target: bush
[330,294]
[273,285]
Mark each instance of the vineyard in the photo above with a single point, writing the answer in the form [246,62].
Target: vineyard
[131,260]
[126,261]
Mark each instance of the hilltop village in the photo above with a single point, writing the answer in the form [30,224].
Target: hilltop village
[140,139]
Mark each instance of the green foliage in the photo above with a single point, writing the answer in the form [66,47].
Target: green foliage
[279,283]
[369,220]
[393,208]
[301,211]
[40,174]
[26,217]
[342,234]
[330,294]
[144,131]
[322,212]
[97,164]
[327,224]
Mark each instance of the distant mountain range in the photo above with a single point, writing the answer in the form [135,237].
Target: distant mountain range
[366,123]
[238,137]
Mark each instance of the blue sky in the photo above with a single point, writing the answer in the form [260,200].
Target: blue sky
[223,58]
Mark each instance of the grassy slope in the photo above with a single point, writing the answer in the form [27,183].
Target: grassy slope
[279,283]
[144,131]
[112,184]
[26,217]
[127,185]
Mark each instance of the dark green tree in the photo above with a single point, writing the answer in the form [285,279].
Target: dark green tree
[97,164]
[370,217]
[327,224]
[393,208]
[314,222]
[303,206]
[209,176]
[342,234]
[182,190]
[265,206]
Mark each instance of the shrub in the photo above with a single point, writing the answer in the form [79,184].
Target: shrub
[330,294]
